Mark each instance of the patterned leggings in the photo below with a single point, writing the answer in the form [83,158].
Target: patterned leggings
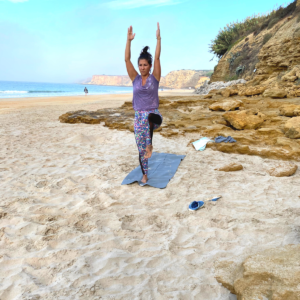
[144,124]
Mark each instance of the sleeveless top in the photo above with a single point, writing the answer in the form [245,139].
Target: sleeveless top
[145,97]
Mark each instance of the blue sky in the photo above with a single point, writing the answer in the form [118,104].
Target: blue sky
[71,40]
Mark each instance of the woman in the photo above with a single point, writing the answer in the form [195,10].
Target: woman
[145,98]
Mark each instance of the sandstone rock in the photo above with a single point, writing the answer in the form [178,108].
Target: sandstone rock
[294,93]
[275,93]
[287,143]
[80,116]
[227,272]
[228,92]
[225,93]
[234,92]
[293,75]
[208,96]
[251,91]
[282,169]
[290,110]
[272,274]
[289,78]
[244,119]
[292,128]
[113,118]
[213,92]
[231,168]
[226,105]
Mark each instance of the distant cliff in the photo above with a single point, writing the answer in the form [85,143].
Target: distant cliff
[110,80]
[175,79]
[183,79]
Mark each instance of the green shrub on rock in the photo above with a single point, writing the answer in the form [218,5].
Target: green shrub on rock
[267,38]
[273,22]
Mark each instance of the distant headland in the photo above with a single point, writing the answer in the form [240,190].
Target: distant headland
[180,79]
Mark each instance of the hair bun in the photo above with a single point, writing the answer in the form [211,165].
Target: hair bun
[145,55]
[145,50]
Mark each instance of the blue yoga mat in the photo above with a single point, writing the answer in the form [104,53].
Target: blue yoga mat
[161,169]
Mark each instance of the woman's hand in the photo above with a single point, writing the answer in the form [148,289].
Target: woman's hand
[130,35]
[158,32]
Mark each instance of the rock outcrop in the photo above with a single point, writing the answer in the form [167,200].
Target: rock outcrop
[273,274]
[233,167]
[258,120]
[175,79]
[226,105]
[275,93]
[245,119]
[292,128]
[290,110]
[282,169]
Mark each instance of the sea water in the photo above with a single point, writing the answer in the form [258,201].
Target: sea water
[17,89]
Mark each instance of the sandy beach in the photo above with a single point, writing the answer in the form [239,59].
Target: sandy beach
[105,100]
[69,230]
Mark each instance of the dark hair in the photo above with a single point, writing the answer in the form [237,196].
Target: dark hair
[145,55]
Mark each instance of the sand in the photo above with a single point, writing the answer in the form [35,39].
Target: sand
[106,99]
[69,230]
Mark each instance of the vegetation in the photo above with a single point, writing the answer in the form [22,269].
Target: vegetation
[230,78]
[234,32]
[266,38]
[273,22]
[209,73]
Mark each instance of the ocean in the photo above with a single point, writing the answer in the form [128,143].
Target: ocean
[18,89]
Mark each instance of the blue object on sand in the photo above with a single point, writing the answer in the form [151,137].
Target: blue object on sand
[223,139]
[196,205]
[161,169]
[215,198]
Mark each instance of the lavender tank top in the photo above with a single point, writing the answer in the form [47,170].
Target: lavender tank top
[145,97]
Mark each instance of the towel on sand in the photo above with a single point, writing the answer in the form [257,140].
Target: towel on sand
[221,139]
[200,145]
[162,168]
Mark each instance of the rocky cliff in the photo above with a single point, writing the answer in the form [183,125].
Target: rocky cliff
[269,59]
[175,79]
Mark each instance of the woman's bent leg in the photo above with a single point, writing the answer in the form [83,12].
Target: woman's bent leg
[154,121]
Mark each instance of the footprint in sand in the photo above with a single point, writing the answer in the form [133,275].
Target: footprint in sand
[41,184]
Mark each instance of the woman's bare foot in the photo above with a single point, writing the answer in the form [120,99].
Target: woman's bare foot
[144,179]
[149,150]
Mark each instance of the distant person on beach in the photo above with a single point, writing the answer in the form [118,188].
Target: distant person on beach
[145,98]
[86,91]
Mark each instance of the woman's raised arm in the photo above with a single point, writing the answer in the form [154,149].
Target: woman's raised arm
[132,73]
[157,68]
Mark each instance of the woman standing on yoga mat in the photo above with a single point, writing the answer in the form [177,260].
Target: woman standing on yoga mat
[145,98]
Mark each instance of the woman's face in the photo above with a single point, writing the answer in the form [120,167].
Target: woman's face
[144,67]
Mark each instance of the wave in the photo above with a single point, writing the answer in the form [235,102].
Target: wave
[13,92]
[46,91]
[25,92]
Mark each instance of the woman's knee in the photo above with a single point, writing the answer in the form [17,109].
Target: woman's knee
[154,118]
